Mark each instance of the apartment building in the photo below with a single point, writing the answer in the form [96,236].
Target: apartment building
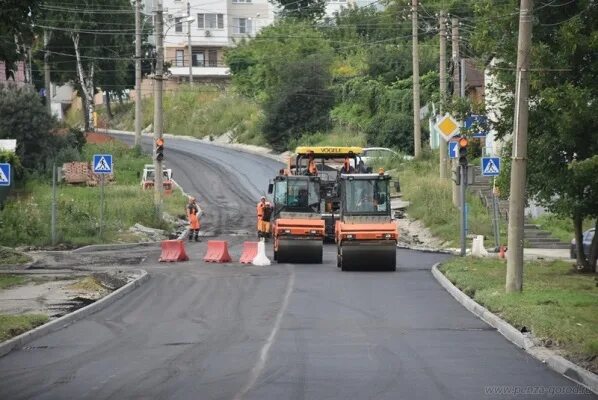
[210,27]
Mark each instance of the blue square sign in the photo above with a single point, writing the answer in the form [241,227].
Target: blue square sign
[4,174]
[453,149]
[477,123]
[490,166]
[102,163]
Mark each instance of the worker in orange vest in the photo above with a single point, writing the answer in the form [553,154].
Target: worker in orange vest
[260,214]
[312,169]
[266,216]
[193,211]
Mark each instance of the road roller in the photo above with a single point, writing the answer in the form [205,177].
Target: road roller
[365,234]
[297,226]
[328,164]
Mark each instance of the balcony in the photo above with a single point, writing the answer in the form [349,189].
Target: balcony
[213,70]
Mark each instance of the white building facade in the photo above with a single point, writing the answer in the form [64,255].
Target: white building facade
[213,27]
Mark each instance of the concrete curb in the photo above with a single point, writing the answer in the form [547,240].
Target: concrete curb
[68,319]
[235,146]
[113,246]
[559,364]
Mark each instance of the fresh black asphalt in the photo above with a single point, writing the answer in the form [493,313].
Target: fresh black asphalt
[230,331]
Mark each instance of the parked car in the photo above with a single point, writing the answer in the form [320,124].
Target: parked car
[373,153]
[587,241]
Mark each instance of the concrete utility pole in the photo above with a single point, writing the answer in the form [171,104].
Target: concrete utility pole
[456,89]
[443,144]
[137,73]
[456,57]
[189,43]
[417,134]
[514,281]
[47,80]
[158,109]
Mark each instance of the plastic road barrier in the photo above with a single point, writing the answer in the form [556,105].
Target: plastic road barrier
[217,252]
[249,252]
[172,251]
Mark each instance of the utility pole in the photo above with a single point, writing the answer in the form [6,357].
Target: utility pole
[443,143]
[456,89]
[137,73]
[189,43]
[417,134]
[47,80]
[158,109]
[514,282]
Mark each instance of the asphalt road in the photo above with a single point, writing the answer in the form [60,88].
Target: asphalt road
[210,331]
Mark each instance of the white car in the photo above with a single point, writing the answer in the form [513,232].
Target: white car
[372,153]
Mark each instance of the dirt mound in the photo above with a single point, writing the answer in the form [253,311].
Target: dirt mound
[98,138]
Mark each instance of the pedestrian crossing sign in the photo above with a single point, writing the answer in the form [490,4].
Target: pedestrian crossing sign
[4,174]
[102,163]
[490,166]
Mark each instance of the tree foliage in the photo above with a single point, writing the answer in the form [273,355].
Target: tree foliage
[16,29]
[308,10]
[563,129]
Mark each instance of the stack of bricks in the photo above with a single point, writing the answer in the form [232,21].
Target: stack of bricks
[81,172]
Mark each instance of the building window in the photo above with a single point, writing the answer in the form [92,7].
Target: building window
[210,21]
[199,59]
[242,25]
[212,58]
[180,58]
[178,24]
[241,1]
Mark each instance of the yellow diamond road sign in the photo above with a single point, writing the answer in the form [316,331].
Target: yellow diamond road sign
[448,127]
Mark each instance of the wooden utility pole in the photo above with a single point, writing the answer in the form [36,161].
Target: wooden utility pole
[158,109]
[137,73]
[417,134]
[443,144]
[514,282]
[456,89]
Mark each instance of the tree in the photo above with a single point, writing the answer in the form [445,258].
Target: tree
[309,10]
[563,130]
[90,44]
[16,27]
[25,119]
[301,104]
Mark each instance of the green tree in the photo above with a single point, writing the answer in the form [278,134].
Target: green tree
[25,119]
[16,29]
[563,130]
[309,10]
[90,45]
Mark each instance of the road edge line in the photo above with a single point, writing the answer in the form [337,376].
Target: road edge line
[555,362]
[68,319]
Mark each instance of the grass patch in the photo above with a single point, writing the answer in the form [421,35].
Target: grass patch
[206,110]
[10,256]
[557,305]
[7,280]
[25,219]
[13,325]
[431,200]
[560,228]
[89,284]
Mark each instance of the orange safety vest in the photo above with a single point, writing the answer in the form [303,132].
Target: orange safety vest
[192,215]
[260,210]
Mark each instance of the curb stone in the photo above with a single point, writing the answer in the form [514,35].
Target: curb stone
[557,363]
[68,319]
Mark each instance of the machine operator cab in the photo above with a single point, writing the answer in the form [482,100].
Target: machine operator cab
[295,194]
[365,195]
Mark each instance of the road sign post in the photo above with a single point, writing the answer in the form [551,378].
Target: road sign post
[102,165]
[53,221]
[463,169]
